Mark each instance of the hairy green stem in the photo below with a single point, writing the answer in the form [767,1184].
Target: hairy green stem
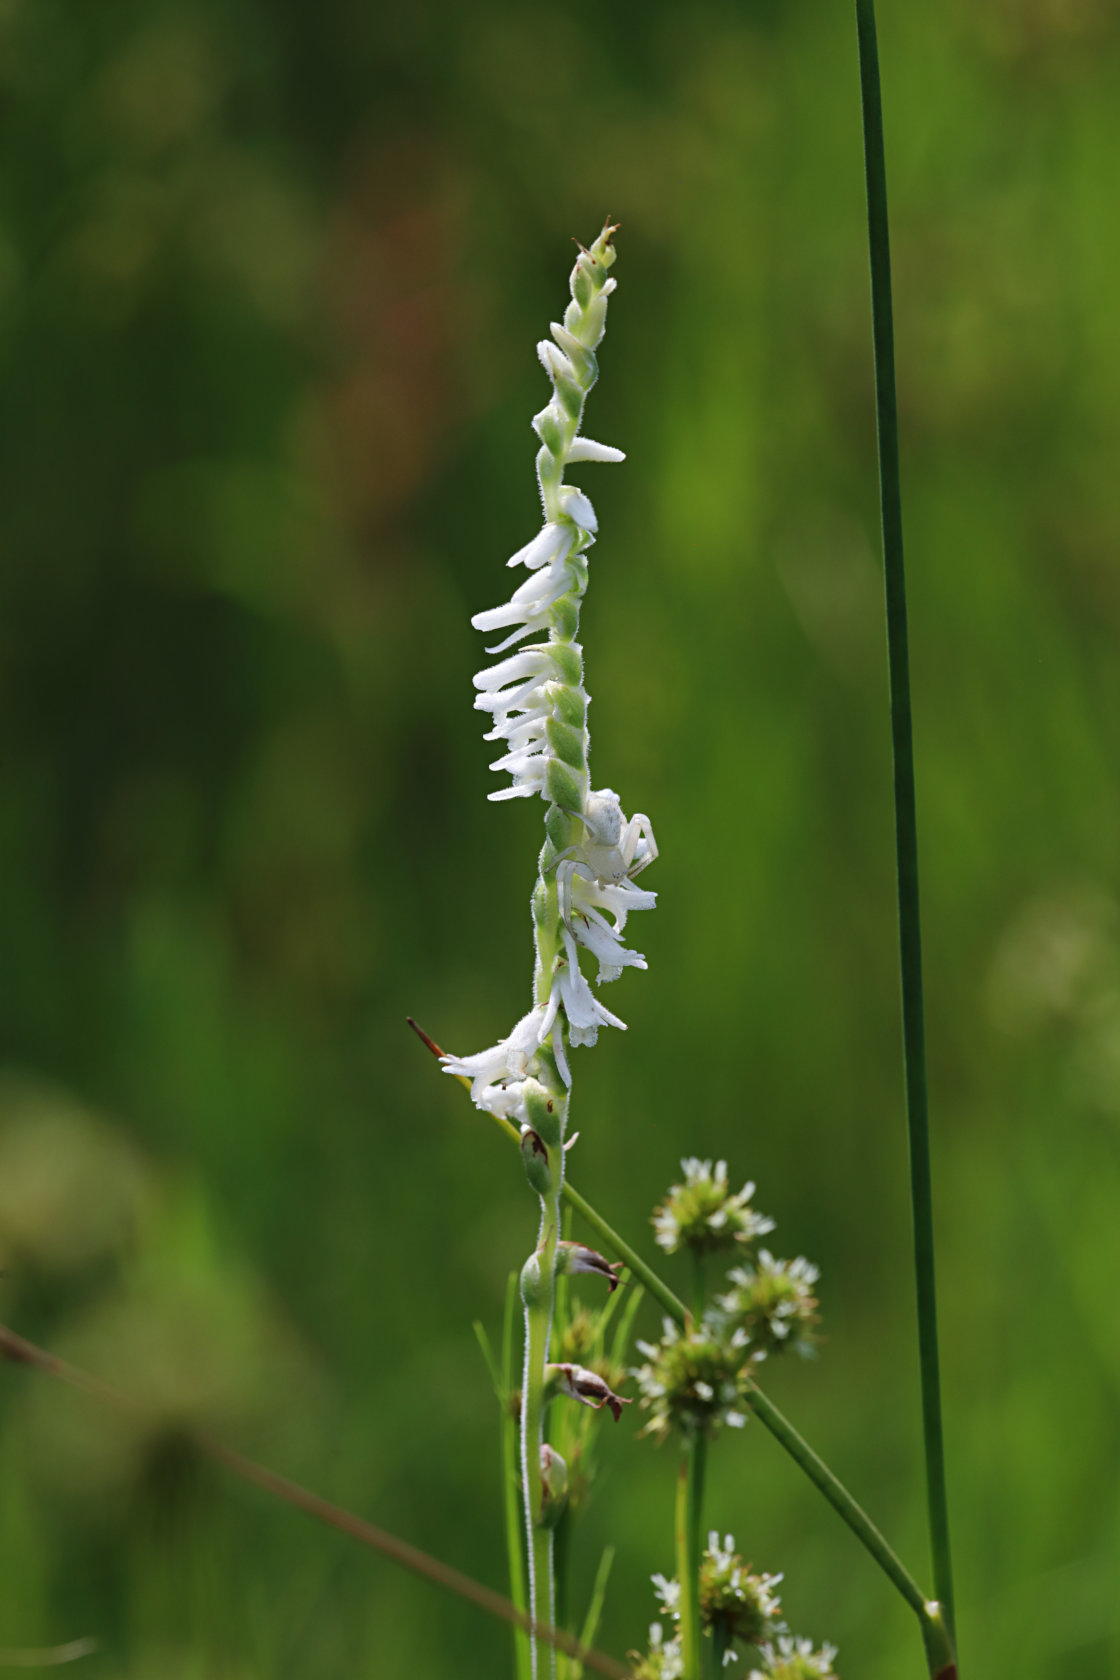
[510,1483]
[906,827]
[538,1329]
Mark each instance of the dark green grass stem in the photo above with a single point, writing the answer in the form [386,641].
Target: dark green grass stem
[906,827]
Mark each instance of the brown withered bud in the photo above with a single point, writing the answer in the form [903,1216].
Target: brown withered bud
[575,1257]
[585,1386]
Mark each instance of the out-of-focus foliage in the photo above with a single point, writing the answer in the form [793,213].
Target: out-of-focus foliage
[270,279]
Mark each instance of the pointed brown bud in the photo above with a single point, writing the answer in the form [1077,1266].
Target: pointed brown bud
[575,1257]
[585,1386]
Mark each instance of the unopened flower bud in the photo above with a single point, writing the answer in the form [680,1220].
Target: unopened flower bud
[544,1112]
[532,1283]
[554,1487]
[575,1257]
[585,1386]
[535,1156]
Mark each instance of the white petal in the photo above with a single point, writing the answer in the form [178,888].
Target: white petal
[552,539]
[554,362]
[532,662]
[586,449]
[577,507]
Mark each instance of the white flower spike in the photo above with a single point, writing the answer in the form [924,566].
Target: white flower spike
[537,703]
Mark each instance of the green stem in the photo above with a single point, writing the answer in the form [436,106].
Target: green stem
[521,1652]
[837,1495]
[906,828]
[939,1647]
[689,1516]
[538,1328]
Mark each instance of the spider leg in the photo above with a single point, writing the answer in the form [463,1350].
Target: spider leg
[638,828]
[565,874]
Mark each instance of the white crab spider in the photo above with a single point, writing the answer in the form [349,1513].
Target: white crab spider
[614,851]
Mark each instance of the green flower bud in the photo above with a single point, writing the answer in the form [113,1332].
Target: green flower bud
[546,424]
[569,394]
[535,1156]
[567,660]
[569,745]
[545,1113]
[570,704]
[532,1283]
[550,468]
[582,293]
[565,620]
[564,787]
[554,1487]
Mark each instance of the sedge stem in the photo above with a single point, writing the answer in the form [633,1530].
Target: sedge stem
[689,1516]
[906,827]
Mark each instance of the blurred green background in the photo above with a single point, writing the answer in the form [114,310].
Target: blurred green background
[271,277]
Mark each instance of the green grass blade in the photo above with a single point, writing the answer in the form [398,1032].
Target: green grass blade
[906,826]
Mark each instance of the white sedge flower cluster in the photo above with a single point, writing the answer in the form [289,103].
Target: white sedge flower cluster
[693,1379]
[537,705]
[743,1604]
[666,1659]
[795,1659]
[705,1214]
[773,1301]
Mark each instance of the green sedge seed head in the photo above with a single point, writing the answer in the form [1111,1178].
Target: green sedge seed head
[695,1379]
[664,1659]
[772,1301]
[744,1605]
[705,1215]
[787,1658]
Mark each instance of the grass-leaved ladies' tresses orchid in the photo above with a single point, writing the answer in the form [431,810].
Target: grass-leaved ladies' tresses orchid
[535,698]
